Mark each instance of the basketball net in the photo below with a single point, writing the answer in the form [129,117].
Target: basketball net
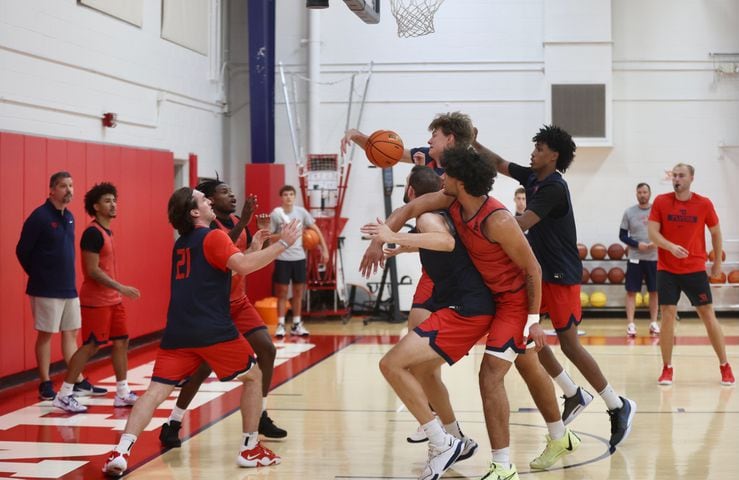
[415,17]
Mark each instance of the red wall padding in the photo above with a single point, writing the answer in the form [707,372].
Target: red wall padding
[145,180]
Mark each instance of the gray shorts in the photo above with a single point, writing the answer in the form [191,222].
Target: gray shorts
[54,314]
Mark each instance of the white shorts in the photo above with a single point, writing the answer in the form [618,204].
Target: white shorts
[54,314]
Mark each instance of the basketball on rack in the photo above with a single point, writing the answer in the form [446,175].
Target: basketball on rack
[585,275]
[712,256]
[598,251]
[720,279]
[616,275]
[616,251]
[638,300]
[598,299]
[598,275]
[582,251]
[733,276]
[584,299]
[310,239]
[384,148]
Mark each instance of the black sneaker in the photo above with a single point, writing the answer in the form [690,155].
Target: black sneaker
[169,436]
[268,428]
[85,389]
[574,405]
[46,390]
[621,420]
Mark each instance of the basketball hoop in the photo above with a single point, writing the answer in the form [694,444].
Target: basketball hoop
[415,17]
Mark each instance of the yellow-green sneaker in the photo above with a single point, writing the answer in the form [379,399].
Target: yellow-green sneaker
[499,472]
[555,450]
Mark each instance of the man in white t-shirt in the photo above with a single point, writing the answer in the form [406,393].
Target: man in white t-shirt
[291,264]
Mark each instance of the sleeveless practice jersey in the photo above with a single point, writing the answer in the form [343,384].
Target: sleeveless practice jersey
[93,293]
[238,282]
[199,308]
[498,271]
[457,283]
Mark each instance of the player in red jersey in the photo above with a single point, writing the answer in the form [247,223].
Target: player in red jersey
[677,224]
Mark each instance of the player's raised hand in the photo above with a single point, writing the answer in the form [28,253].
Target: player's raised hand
[258,239]
[346,140]
[263,221]
[250,206]
[373,259]
[378,231]
[291,231]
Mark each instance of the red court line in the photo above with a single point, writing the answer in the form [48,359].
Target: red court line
[585,340]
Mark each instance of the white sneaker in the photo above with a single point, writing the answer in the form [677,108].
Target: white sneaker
[116,464]
[654,328]
[419,436]
[631,330]
[126,401]
[299,330]
[470,447]
[68,404]
[440,459]
[280,330]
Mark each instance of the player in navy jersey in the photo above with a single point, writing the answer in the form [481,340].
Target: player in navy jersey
[550,222]
[199,326]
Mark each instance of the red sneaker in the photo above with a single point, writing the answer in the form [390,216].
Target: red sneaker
[258,456]
[666,377]
[116,464]
[727,376]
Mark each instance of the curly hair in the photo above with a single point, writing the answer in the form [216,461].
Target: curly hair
[467,166]
[94,195]
[178,210]
[559,141]
[457,124]
[208,187]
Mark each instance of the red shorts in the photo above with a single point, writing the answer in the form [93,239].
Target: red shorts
[424,289]
[227,359]
[505,337]
[451,335]
[245,316]
[562,304]
[100,324]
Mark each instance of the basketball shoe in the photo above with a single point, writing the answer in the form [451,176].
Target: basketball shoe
[85,388]
[299,330]
[46,390]
[556,449]
[469,449]
[280,330]
[727,376]
[441,458]
[126,401]
[419,436]
[654,328]
[574,405]
[258,456]
[169,435]
[116,464]
[666,377]
[68,404]
[268,428]
[631,330]
[498,471]
[621,421]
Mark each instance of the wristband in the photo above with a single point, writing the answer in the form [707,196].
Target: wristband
[531,320]
[284,243]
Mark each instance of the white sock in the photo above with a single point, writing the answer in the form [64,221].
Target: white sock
[556,430]
[264,404]
[565,382]
[177,414]
[125,443]
[612,400]
[296,319]
[453,428]
[281,320]
[122,389]
[502,456]
[434,432]
[66,390]
[249,441]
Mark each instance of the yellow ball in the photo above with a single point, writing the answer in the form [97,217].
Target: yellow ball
[598,299]
[639,299]
[645,300]
[584,299]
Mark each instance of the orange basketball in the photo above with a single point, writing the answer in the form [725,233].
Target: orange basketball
[585,275]
[582,250]
[720,279]
[384,148]
[616,251]
[598,274]
[734,276]
[616,275]
[712,256]
[310,239]
[598,251]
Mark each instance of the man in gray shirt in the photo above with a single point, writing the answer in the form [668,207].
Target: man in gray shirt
[642,264]
[291,264]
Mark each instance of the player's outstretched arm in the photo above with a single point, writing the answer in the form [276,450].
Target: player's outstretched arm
[244,263]
[500,163]
[355,136]
[433,234]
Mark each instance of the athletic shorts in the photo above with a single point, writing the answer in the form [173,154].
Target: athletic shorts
[245,316]
[694,285]
[100,324]
[227,359]
[451,335]
[52,315]
[505,336]
[562,304]
[424,289]
[644,270]
[289,270]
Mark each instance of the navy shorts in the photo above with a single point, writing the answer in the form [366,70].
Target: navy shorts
[289,270]
[644,271]
[695,285]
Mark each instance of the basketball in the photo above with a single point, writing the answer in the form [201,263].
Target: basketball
[582,250]
[645,300]
[616,275]
[616,251]
[598,251]
[733,276]
[585,275]
[598,275]
[598,299]
[584,299]
[384,148]
[638,299]
[720,279]
[712,256]
[310,239]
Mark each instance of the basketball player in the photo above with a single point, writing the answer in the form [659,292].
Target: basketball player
[199,327]
[101,300]
[677,225]
[642,265]
[550,222]
[291,265]
[245,316]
